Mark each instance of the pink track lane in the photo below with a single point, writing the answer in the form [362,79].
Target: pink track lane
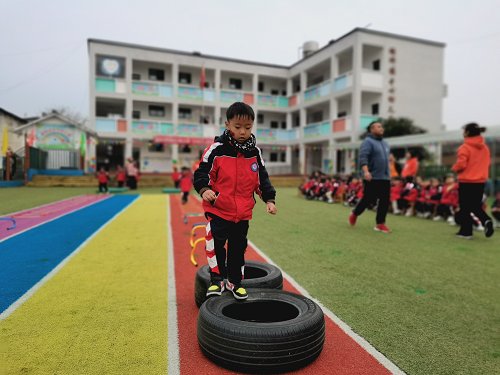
[340,355]
[35,216]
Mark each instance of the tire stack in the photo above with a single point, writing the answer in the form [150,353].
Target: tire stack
[272,331]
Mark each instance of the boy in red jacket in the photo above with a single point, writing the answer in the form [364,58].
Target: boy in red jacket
[231,170]
[103,178]
[185,183]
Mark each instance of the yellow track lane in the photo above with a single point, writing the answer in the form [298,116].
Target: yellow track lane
[105,312]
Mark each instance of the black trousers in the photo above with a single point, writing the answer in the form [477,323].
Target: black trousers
[103,187]
[375,190]
[470,198]
[185,197]
[220,231]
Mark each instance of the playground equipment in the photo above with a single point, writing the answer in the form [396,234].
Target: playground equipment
[12,220]
[194,243]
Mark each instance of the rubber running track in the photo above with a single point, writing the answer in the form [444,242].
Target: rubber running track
[35,216]
[340,355]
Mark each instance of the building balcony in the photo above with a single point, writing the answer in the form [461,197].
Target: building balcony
[318,91]
[267,135]
[230,96]
[273,101]
[342,82]
[162,90]
[150,128]
[342,124]
[110,85]
[318,129]
[110,125]
[195,93]
[293,100]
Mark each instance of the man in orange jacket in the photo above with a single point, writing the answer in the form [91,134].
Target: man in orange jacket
[472,167]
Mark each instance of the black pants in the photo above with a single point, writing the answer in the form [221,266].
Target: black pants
[375,190]
[185,197]
[496,215]
[132,182]
[120,183]
[103,187]
[470,197]
[220,231]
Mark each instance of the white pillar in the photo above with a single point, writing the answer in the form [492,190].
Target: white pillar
[356,88]
[302,159]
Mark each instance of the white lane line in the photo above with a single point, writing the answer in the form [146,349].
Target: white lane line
[173,333]
[5,314]
[383,360]
[54,218]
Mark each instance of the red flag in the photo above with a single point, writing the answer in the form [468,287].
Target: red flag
[202,77]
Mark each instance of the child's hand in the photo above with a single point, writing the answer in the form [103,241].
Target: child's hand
[271,208]
[209,195]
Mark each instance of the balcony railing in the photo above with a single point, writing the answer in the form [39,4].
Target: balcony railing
[274,101]
[236,96]
[342,124]
[318,91]
[372,79]
[293,100]
[265,135]
[152,127]
[110,85]
[365,120]
[318,129]
[195,93]
[152,89]
[342,82]
[110,125]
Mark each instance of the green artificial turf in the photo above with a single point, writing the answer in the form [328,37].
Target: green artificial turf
[427,300]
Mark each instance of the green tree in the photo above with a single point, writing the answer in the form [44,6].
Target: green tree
[395,127]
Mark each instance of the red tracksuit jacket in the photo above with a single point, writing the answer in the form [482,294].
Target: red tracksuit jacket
[235,177]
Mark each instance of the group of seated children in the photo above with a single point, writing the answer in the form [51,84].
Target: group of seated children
[430,199]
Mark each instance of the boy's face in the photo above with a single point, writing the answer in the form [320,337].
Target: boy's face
[240,128]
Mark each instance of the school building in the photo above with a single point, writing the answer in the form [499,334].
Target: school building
[164,106]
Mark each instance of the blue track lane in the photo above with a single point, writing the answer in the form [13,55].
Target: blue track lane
[26,258]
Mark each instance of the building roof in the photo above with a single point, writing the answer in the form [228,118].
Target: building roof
[11,115]
[57,115]
[199,54]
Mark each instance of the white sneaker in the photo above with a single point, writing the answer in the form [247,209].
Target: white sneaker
[479,228]
[437,218]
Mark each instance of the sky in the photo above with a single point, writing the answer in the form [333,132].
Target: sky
[44,59]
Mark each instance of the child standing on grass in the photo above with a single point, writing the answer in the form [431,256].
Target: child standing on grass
[231,170]
[185,183]
[120,176]
[103,178]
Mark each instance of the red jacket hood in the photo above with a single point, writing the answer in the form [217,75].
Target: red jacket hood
[477,141]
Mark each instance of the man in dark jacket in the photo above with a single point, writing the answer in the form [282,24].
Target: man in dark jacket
[374,162]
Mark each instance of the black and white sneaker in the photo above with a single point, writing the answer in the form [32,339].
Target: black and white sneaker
[488,228]
[464,236]
[238,291]
[215,289]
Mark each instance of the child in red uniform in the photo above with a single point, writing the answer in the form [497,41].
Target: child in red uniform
[176,177]
[120,176]
[231,170]
[103,178]
[185,184]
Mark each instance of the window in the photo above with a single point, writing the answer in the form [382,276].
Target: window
[136,76]
[283,92]
[261,86]
[342,114]
[136,115]
[156,74]
[275,92]
[283,157]
[185,78]
[235,83]
[156,110]
[375,109]
[184,113]
[297,121]
[273,157]
[260,118]
[376,65]
[185,149]
[283,124]
[317,116]
[155,147]
[274,124]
